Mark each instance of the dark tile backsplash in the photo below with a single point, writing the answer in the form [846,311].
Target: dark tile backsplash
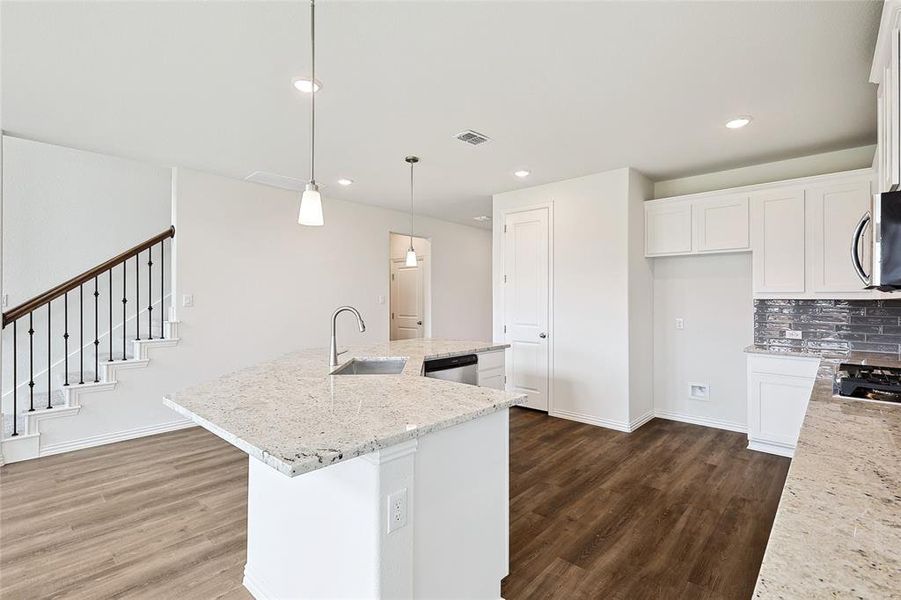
[830,325]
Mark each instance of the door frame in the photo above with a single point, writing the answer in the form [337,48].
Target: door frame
[500,289]
[425,265]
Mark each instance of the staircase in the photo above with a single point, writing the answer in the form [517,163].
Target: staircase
[44,386]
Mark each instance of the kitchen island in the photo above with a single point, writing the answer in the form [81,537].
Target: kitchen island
[836,533]
[366,486]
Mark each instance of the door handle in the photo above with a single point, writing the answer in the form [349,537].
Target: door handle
[855,248]
[542,335]
[419,322]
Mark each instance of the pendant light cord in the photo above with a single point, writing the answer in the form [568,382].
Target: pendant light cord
[313,92]
[411,204]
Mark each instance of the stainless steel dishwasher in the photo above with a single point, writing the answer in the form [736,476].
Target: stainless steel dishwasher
[462,369]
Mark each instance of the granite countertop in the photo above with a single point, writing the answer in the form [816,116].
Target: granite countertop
[837,531]
[296,417]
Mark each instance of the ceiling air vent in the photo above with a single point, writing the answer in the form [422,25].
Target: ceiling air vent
[472,137]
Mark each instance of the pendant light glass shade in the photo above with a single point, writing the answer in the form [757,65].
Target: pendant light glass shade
[411,257]
[311,207]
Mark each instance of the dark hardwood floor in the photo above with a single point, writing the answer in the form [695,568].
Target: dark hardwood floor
[670,511]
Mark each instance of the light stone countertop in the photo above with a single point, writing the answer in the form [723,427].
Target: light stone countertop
[296,417]
[837,532]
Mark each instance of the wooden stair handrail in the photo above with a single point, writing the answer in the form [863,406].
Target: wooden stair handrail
[67,286]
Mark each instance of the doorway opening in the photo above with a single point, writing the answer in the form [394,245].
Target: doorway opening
[410,298]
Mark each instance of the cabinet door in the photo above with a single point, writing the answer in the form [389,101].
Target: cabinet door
[832,215]
[492,379]
[667,228]
[776,407]
[721,224]
[892,108]
[777,240]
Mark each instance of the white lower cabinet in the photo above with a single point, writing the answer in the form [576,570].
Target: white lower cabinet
[492,369]
[779,389]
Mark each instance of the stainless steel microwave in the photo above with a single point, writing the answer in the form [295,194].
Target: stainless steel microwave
[882,268]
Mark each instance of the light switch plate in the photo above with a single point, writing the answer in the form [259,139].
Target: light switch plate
[187,300]
[680,324]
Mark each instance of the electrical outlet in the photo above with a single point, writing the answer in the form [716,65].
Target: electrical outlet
[5,300]
[397,510]
[187,300]
[381,299]
[793,334]
[680,324]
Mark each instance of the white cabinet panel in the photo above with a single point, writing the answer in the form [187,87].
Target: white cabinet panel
[777,240]
[492,367]
[778,394]
[667,228]
[832,215]
[721,224]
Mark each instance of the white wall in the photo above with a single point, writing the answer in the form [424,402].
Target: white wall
[68,210]
[595,273]
[712,294]
[240,251]
[803,166]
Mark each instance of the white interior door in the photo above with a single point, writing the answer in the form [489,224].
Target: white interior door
[407,315]
[526,298]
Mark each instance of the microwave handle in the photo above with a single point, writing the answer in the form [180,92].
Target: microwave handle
[855,248]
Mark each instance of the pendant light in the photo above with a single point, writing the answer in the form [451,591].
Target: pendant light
[411,253]
[311,201]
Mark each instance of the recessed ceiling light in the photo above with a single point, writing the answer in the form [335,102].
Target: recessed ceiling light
[738,122]
[302,84]
[345,182]
[481,218]
[522,173]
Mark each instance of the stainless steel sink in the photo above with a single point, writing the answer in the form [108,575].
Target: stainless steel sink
[372,366]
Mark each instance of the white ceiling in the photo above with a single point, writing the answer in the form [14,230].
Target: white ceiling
[564,89]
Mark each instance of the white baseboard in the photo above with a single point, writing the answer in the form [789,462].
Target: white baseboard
[118,436]
[770,448]
[592,420]
[256,589]
[636,423]
[705,421]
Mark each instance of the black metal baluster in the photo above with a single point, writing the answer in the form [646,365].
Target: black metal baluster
[15,380]
[66,338]
[150,293]
[162,290]
[96,336]
[81,333]
[138,296]
[124,315]
[31,362]
[49,363]
[110,330]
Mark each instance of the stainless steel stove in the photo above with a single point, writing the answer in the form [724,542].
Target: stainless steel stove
[869,382]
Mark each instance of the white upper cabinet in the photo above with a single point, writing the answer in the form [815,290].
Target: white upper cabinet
[833,211]
[777,241]
[721,224]
[886,74]
[667,228]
